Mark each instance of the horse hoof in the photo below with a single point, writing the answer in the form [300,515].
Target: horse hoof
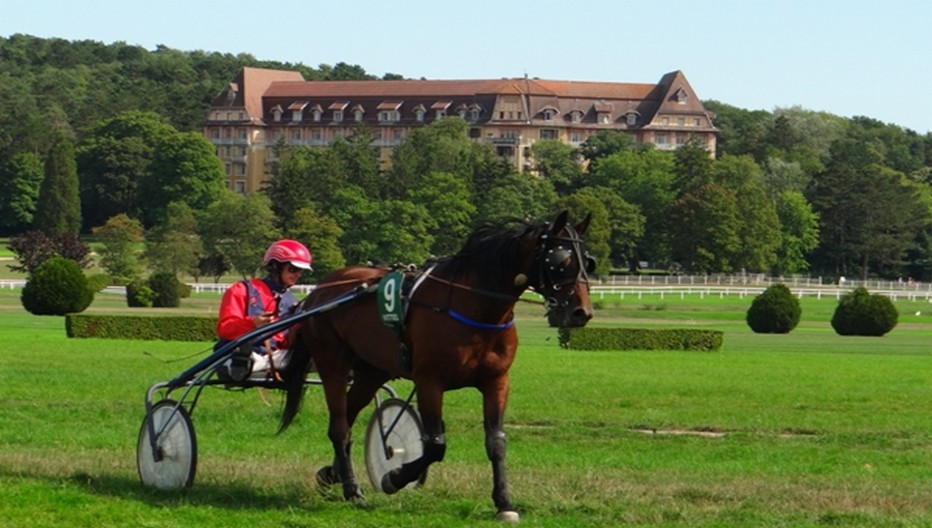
[387,485]
[510,517]
[327,477]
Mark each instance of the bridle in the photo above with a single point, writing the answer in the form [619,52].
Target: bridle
[560,261]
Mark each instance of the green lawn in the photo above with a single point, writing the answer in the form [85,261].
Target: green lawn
[805,429]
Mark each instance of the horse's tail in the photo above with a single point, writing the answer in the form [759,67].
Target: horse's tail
[294,376]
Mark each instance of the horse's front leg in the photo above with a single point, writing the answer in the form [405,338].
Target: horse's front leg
[494,399]
[429,404]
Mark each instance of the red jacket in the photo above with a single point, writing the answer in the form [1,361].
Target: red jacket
[235,319]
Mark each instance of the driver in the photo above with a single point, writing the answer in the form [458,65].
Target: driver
[252,303]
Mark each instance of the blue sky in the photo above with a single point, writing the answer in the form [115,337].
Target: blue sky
[846,57]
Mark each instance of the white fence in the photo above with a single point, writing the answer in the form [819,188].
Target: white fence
[668,292]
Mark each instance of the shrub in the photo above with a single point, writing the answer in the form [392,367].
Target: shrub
[598,338]
[98,282]
[860,313]
[139,295]
[175,328]
[166,289]
[33,248]
[775,311]
[56,287]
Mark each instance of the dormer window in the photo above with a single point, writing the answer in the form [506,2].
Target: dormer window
[419,112]
[358,113]
[576,116]
[388,111]
[337,109]
[474,112]
[316,113]
[603,112]
[297,110]
[277,113]
[548,113]
[232,88]
[440,109]
[461,111]
[631,118]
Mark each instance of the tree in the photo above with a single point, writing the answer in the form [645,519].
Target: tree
[114,159]
[442,146]
[383,232]
[585,202]
[799,232]
[20,178]
[759,227]
[58,209]
[704,229]
[174,245]
[118,237]
[448,203]
[240,229]
[184,169]
[321,234]
[559,163]
[33,248]
[519,196]
[603,144]
[643,178]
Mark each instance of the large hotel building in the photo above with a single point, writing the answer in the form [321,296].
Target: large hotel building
[261,107]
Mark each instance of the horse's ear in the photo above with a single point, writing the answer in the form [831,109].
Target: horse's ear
[584,225]
[559,223]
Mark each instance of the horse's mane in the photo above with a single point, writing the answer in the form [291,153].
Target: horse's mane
[491,250]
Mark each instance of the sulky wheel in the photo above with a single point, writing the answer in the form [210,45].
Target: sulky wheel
[394,436]
[171,465]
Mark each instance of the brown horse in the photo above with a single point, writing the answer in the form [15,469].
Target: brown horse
[458,332]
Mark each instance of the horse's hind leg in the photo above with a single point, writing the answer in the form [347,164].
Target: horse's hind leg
[339,433]
[366,381]
[430,403]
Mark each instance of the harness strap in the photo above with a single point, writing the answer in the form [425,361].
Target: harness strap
[477,324]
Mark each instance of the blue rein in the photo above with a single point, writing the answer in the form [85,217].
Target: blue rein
[476,324]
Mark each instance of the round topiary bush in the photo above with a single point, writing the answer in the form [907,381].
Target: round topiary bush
[139,295]
[775,311]
[56,287]
[167,289]
[860,313]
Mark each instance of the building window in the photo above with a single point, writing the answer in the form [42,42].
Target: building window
[419,115]
[661,139]
[665,121]
[474,114]
[276,114]
[296,135]
[239,186]
[315,134]
[215,133]
[631,119]
[576,116]
[243,134]
[297,115]
[697,121]
[441,114]
[240,169]
[575,137]
[605,118]
[227,168]
[681,121]
[548,114]
[680,140]
[337,116]
[548,133]
[316,116]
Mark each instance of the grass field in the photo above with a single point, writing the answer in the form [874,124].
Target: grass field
[805,429]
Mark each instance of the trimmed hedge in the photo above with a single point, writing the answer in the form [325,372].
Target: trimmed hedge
[174,328]
[593,338]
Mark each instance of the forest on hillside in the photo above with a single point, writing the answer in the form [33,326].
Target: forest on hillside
[92,131]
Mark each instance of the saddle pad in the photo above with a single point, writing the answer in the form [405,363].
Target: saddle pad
[390,301]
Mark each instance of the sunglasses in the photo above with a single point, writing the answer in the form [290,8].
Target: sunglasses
[294,269]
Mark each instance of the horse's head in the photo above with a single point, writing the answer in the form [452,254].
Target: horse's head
[560,272]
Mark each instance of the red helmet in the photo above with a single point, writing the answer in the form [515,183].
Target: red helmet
[290,251]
